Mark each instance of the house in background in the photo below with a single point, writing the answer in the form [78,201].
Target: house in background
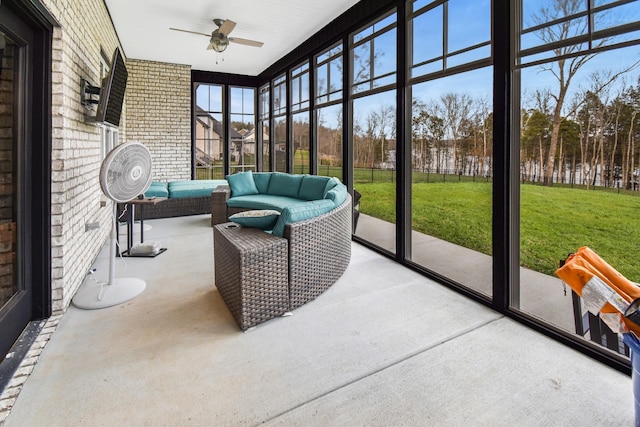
[210,143]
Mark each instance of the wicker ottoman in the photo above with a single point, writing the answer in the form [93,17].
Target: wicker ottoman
[251,273]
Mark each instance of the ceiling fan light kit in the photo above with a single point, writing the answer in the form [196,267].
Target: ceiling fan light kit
[218,42]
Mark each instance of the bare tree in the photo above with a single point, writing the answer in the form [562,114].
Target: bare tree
[535,133]
[383,129]
[483,113]
[420,146]
[437,130]
[457,109]
[565,68]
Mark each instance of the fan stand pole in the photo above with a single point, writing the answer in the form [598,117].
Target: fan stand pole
[116,291]
[112,244]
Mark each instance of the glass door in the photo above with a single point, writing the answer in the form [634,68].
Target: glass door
[15,292]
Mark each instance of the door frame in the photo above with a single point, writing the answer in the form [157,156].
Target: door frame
[35,172]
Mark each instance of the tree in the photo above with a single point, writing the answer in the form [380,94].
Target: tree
[436,126]
[483,135]
[565,68]
[420,146]
[457,109]
[569,143]
[535,134]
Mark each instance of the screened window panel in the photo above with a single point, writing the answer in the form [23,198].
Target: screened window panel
[428,36]
[329,131]
[362,63]
[280,144]
[469,24]
[301,143]
[439,44]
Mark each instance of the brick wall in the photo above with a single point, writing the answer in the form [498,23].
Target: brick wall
[85,31]
[158,114]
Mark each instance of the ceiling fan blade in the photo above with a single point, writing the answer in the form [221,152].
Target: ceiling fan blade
[227,26]
[192,32]
[245,42]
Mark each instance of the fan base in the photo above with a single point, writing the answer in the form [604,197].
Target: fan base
[107,295]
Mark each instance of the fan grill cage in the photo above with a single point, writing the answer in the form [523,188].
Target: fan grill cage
[126,172]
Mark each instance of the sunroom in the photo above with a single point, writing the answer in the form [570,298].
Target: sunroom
[488,140]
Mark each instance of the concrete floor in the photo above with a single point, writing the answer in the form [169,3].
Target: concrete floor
[384,346]
[541,295]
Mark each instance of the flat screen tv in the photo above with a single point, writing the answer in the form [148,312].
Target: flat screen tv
[112,92]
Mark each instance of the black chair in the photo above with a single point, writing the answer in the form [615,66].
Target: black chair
[598,331]
[356,208]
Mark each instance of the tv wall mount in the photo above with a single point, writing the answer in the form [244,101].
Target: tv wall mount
[89,94]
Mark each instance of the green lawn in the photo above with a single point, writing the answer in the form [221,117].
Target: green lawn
[554,221]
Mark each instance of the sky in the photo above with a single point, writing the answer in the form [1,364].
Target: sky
[469,24]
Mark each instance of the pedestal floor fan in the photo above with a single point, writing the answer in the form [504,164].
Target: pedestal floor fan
[125,173]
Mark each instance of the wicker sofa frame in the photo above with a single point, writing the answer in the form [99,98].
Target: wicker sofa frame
[173,207]
[220,212]
[319,251]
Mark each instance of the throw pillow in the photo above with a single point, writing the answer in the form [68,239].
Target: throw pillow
[263,219]
[337,194]
[284,184]
[262,181]
[312,187]
[331,184]
[242,184]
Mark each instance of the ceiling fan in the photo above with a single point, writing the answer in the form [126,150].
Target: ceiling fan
[219,38]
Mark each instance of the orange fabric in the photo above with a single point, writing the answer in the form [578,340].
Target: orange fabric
[585,263]
[623,286]
[580,267]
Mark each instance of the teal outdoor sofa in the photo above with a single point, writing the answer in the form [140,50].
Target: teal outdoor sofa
[184,197]
[312,215]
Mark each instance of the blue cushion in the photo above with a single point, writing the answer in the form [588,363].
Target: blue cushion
[262,201]
[262,181]
[157,189]
[284,184]
[337,194]
[300,212]
[330,184]
[193,188]
[242,184]
[262,219]
[312,187]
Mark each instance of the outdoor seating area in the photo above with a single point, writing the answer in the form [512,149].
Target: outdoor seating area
[276,191]
[183,197]
[265,268]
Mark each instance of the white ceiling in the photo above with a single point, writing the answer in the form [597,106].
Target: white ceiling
[143,28]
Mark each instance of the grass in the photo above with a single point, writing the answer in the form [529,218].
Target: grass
[554,221]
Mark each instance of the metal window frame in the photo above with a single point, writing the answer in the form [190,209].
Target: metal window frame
[505,194]
[253,114]
[328,61]
[352,45]
[446,70]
